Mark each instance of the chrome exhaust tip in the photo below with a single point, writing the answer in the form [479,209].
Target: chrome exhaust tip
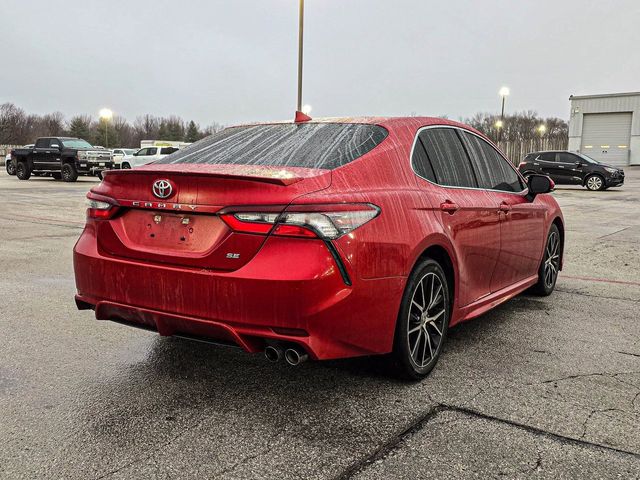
[295,356]
[273,354]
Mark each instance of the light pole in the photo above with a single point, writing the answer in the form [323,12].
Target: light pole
[300,53]
[106,115]
[504,93]
[499,124]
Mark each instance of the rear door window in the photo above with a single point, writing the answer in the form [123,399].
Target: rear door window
[451,165]
[310,145]
[420,161]
[567,158]
[168,150]
[547,157]
[493,171]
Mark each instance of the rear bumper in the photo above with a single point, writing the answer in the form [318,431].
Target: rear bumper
[291,291]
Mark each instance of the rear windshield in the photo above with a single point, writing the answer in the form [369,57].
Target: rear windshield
[310,145]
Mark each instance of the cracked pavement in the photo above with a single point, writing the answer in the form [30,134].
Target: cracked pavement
[537,388]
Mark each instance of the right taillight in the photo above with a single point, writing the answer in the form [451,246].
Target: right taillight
[99,209]
[327,222]
[522,164]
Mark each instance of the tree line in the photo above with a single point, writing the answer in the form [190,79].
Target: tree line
[19,128]
[521,133]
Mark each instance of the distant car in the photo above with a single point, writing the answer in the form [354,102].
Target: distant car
[571,168]
[146,155]
[320,240]
[120,153]
[9,164]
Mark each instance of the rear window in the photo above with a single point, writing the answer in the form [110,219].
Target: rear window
[310,145]
[168,150]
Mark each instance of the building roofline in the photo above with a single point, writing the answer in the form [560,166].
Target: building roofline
[604,95]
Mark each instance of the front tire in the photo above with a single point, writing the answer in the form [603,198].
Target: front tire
[423,321]
[11,167]
[69,172]
[125,166]
[595,183]
[22,171]
[550,266]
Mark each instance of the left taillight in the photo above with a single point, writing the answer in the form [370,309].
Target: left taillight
[327,222]
[100,209]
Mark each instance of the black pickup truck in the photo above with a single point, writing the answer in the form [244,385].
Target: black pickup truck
[62,157]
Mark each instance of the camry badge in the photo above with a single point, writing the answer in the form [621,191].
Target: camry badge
[162,188]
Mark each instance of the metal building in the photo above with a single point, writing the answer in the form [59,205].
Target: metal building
[606,127]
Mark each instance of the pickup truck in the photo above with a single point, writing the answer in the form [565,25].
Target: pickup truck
[62,157]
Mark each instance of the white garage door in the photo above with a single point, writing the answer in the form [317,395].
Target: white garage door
[606,136]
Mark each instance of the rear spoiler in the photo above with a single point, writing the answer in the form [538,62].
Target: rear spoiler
[275,180]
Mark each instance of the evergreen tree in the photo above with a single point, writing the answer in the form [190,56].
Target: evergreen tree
[193,132]
[80,127]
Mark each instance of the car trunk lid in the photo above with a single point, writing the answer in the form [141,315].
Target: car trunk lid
[168,213]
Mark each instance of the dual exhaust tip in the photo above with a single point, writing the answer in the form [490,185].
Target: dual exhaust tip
[293,355]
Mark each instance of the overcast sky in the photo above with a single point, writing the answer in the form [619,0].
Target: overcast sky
[233,61]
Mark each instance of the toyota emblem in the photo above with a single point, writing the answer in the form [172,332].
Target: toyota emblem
[162,188]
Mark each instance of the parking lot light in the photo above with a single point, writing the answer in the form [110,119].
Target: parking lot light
[542,129]
[306,109]
[499,124]
[106,115]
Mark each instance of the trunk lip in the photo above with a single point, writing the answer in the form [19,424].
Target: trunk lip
[283,176]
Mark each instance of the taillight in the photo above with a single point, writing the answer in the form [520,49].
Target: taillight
[100,209]
[327,222]
[522,164]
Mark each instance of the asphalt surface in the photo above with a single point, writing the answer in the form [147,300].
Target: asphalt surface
[538,388]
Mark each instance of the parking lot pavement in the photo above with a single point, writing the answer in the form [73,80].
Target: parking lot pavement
[539,387]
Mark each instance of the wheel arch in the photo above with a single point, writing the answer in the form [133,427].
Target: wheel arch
[441,254]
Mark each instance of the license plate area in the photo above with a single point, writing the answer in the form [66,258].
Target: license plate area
[168,232]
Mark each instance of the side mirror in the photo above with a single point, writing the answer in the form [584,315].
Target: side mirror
[579,164]
[539,184]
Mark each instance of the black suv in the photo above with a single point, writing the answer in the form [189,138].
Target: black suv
[570,168]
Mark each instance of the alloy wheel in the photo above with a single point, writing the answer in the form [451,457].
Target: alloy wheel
[427,316]
[594,183]
[552,260]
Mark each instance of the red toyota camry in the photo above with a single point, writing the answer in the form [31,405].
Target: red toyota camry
[320,239]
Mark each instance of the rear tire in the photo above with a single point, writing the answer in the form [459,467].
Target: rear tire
[22,171]
[594,183]
[69,172]
[423,321]
[550,265]
[11,167]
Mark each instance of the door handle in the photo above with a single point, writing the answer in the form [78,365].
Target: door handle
[449,207]
[505,207]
